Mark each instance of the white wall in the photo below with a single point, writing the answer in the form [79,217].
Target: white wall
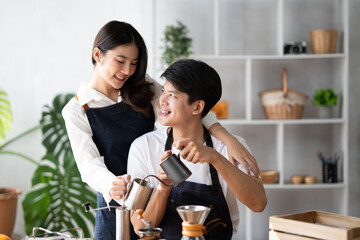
[46,47]
[46,50]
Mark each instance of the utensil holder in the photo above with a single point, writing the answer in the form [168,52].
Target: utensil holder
[329,172]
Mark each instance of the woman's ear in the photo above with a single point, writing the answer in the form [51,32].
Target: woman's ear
[97,54]
[198,107]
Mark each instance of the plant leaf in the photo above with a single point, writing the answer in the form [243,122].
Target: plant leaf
[325,97]
[5,115]
[53,127]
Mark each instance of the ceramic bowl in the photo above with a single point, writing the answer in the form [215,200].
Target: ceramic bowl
[310,179]
[298,179]
[269,176]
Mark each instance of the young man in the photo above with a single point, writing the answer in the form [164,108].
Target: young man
[191,89]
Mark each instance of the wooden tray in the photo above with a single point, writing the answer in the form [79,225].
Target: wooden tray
[314,225]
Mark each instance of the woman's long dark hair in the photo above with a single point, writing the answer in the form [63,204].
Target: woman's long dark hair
[136,91]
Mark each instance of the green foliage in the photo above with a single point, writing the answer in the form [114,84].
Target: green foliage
[177,44]
[5,115]
[56,197]
[325,97]
[54,135]
[57,193]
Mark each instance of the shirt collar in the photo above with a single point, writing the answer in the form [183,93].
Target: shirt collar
[87,94]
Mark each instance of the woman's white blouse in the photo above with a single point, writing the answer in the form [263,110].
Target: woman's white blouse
[88,159]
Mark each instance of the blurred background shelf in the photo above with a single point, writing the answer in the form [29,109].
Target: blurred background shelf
[305,186]
[244,40]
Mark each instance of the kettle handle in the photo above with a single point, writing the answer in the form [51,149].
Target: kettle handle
[128,189]
[168,185]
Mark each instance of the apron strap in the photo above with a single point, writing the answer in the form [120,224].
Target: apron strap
[85,106]
[169,140]
[215,187]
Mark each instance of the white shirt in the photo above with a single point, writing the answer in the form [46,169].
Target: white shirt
[88,159]
[144,159]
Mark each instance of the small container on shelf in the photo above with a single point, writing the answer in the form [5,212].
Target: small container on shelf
[310,180]
[298,179]
[323,41]
[301,179]
[329,166]
[221,109]
[330,173]
[269,177]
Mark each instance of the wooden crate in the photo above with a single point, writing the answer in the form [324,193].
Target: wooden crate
[314,225]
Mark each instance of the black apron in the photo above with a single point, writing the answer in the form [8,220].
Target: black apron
[114,129]
[190,193]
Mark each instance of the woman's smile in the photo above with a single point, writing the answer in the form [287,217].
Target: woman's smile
[120,79]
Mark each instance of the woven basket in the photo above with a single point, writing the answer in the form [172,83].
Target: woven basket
[283,103]
[323,41]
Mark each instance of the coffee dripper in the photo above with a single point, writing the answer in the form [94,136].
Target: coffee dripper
[193,217]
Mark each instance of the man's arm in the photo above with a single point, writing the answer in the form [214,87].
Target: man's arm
[156,207]
[248,189]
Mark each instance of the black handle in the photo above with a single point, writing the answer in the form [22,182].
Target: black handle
[168,185]
[86,206]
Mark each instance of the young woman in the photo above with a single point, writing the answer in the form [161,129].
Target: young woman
[112,110]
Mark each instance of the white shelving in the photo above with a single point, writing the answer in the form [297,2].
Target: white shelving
[243,40]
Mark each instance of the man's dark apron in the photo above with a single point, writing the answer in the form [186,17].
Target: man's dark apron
[114,129]
[190,193]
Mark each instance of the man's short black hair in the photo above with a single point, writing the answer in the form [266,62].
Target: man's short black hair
[197,79]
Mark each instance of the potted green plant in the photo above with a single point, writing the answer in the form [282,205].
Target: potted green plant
[8,196]
[326,100]
[54,202]
[177,44]
[57,193]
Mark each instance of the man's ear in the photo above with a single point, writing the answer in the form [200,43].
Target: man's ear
[198,107]
[97,54]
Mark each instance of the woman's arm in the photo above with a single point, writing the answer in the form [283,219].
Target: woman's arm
[88,159]
[236,151]
[247,189]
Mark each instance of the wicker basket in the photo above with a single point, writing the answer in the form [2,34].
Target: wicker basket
[283,103]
